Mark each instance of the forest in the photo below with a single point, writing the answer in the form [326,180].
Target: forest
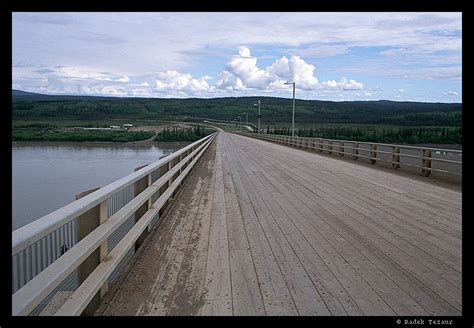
[272,110]
[376,121]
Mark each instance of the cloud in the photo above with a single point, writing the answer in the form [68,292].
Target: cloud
[123,79]
[376,88]
[320,51]
[452,93]
[145,84]
[343,84]
[297,70]
[44,71]
[401,91]
[242,72]
[226,80]
[434,73]
[393,52]
[172,80]
[82,73]
[244,52]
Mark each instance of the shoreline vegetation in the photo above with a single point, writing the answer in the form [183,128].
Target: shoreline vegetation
[52,133]
[183,134]
[79,135]
[380,134]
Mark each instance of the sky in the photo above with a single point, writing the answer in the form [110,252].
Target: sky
[330,56]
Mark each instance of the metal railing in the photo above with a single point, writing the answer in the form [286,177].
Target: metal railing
[449,160]
[79,248]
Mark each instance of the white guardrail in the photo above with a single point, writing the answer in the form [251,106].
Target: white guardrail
[449,160]
[69,256]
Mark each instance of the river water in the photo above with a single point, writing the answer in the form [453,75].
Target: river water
[47,175]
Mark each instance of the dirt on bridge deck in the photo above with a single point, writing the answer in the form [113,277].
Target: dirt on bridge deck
[263,229]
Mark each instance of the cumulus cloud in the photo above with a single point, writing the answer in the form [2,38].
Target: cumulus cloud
[243,67]
[244,52]
[81,73]
[401,91]
[175,81]
[344,84]
[452,93]
[295,69]
[123,79]
[242,72]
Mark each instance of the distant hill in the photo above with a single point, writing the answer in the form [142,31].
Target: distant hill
[19,95]
[23,95]
[28,105]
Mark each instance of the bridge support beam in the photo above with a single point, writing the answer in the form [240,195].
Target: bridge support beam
[85,224]
[138,187]
[396,157]
[355,150]
[426,162]
[373,153]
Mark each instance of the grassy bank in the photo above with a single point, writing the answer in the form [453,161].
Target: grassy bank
[34,134]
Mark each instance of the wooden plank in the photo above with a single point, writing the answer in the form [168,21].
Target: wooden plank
[246,294]
[299,161]
[218,299]
[327,284]
[306,297]
[276,297]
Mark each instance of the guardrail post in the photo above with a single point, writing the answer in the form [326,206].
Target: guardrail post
[426,162]
[320,145]
[104,246]
[138,187]
[396,157]
[330,147]
[86,223]
[355,150]
[373,153]
[341,148]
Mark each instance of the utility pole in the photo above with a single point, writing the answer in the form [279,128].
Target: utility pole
[258,124]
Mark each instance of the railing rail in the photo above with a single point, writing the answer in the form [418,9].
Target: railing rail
[372,152]
[153,186]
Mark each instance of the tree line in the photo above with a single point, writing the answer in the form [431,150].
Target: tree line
[182,134]
[412,135]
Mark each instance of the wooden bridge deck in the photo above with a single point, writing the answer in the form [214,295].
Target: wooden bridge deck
[263,229]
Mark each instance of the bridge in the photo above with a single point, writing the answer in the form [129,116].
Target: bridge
[254,224]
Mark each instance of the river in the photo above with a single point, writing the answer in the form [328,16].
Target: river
[48,175]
